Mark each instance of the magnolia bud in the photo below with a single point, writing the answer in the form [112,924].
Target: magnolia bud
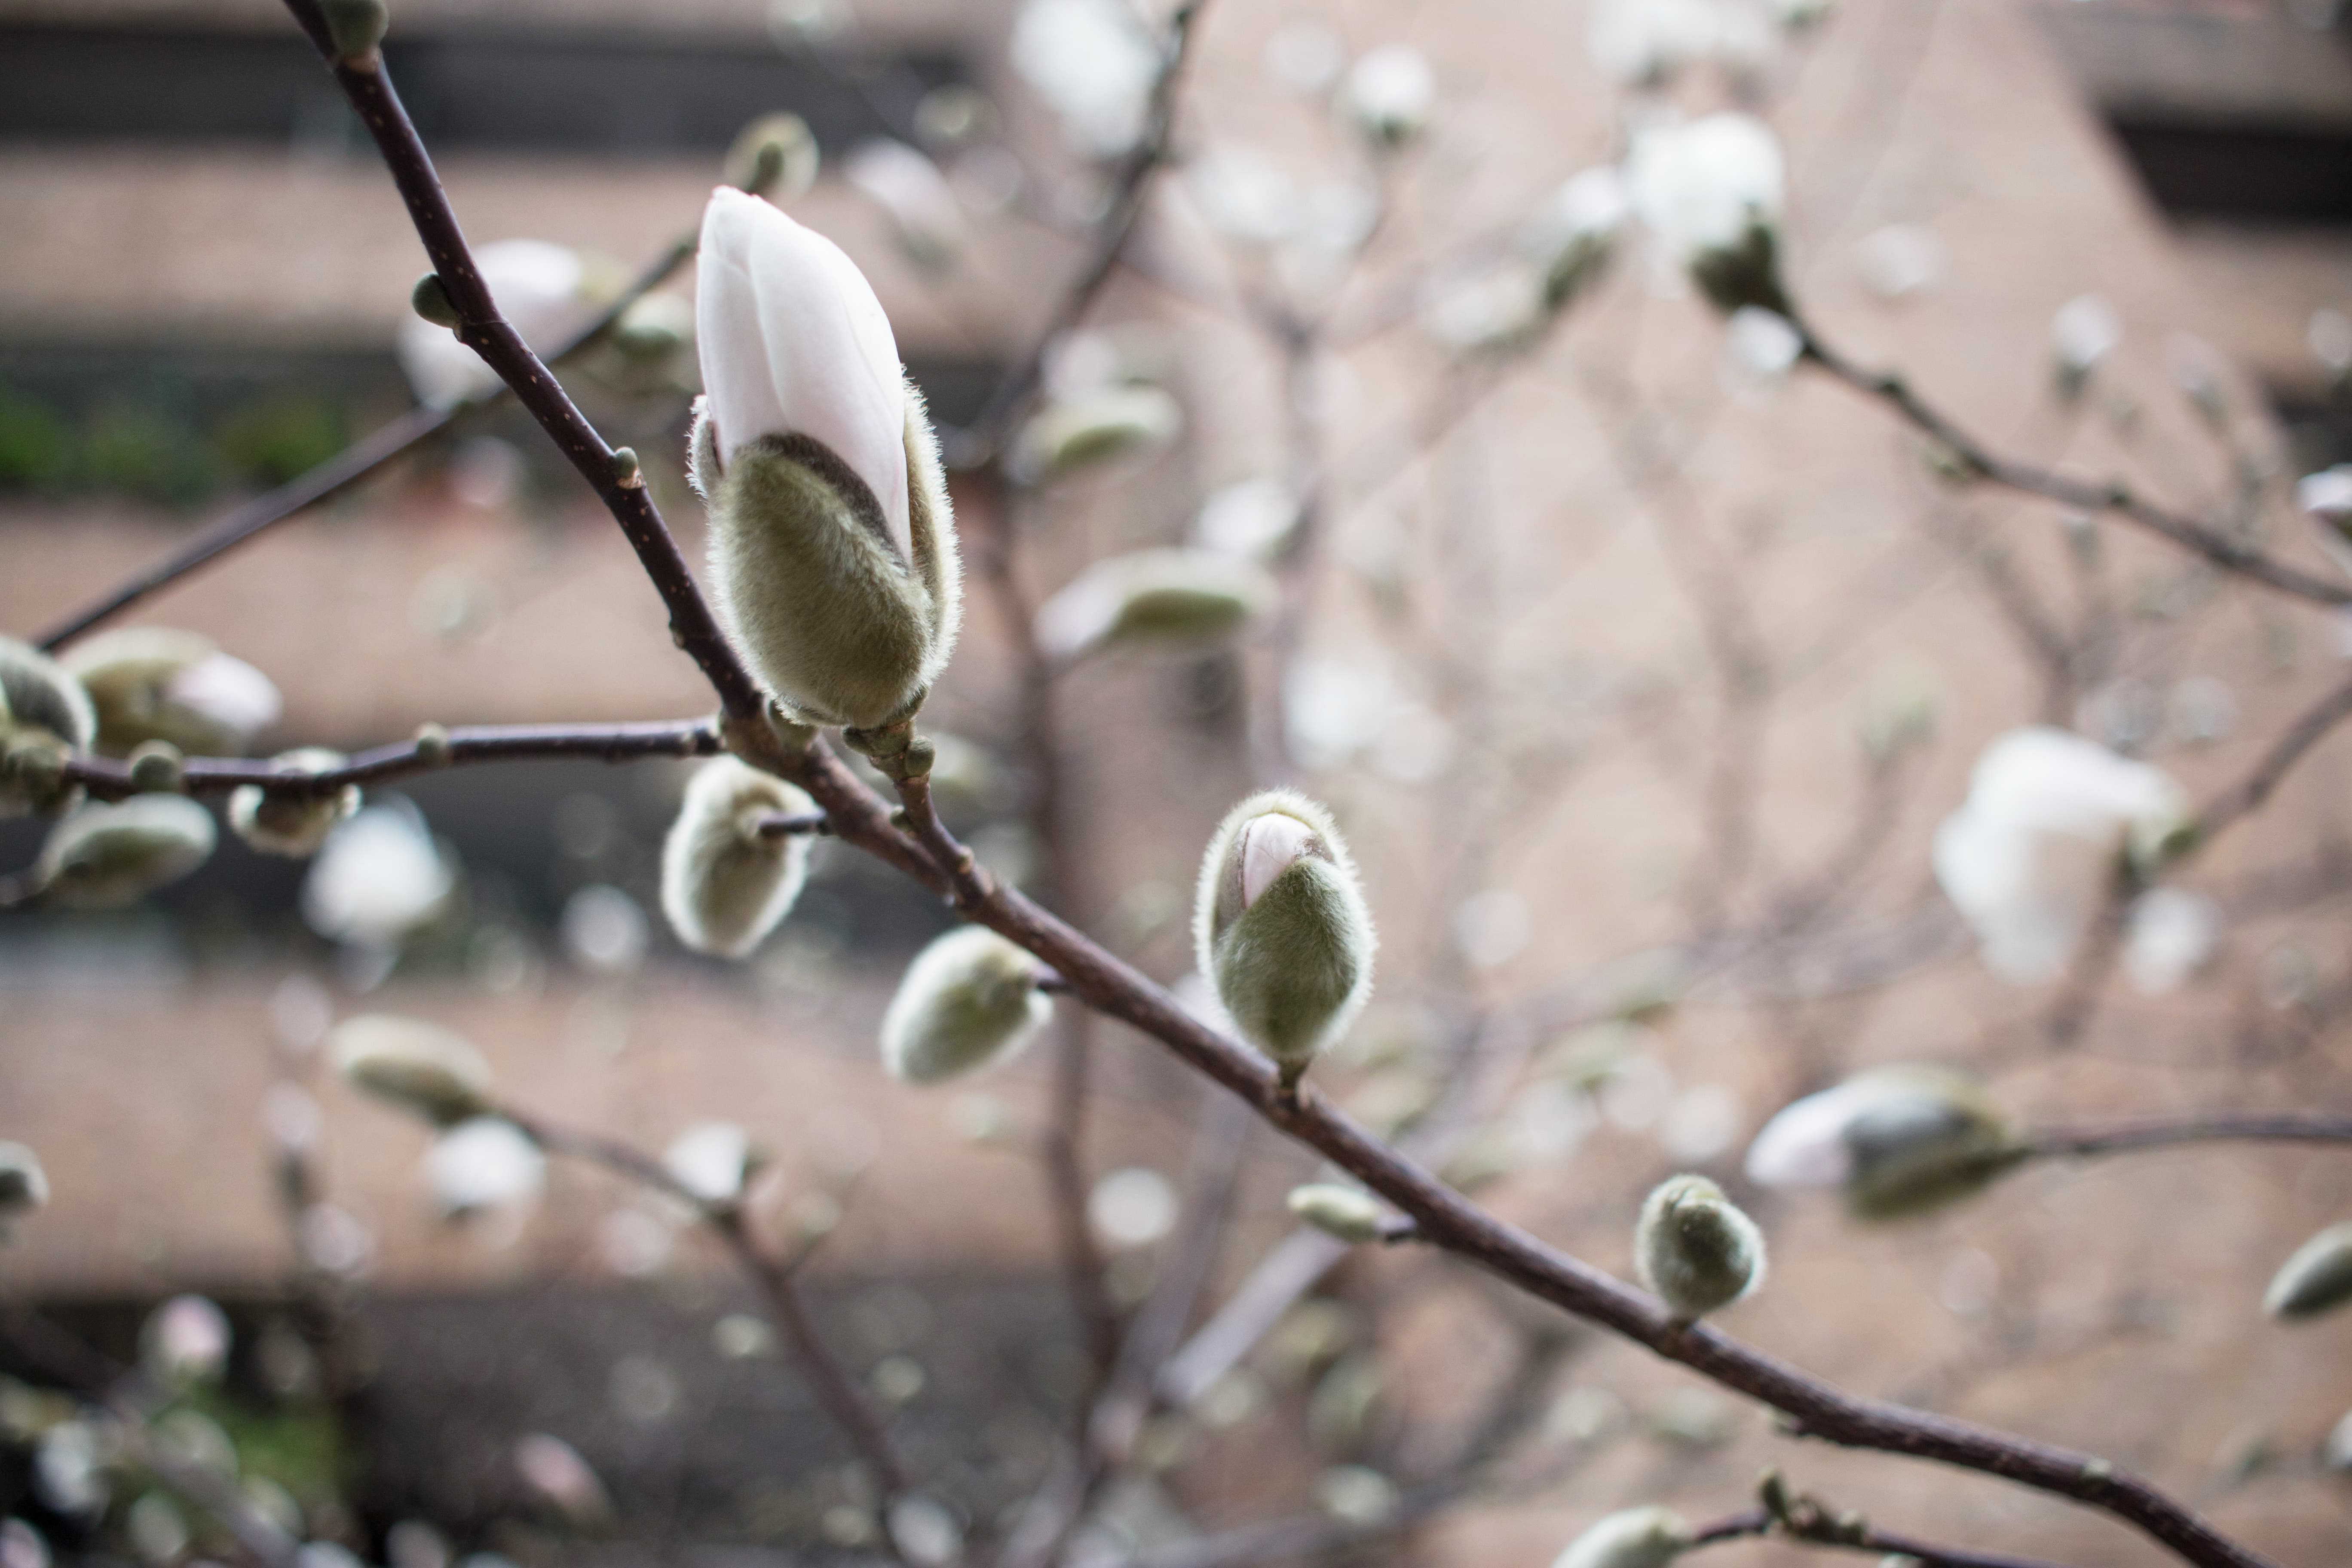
[1648,1537]
[151,683]
[24,1185]
[1280,928]
[356,27]
[969,999]
[1388,94]
[1712,189]
[1899,1141]
[157,768]
[43,714]
[1695,1249]
[104,857]
[2316,1280]
[712,1160]
[539,288]
[294,825]
[775,156]
[1078,432]
[1181,597]
[429,297]
[1345,1212]
[831,544]
[725,884]
[413,1065]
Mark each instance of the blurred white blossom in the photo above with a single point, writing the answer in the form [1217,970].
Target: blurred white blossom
[605,929]
[2172,933]
[553,1469]
[1388,93]
[908,186]
[186,1340]
[1094,65]
[1132,1207]
[2084,332]
[710,1160]
[379,877]
[1249,519]
[1700,185]
[538,288]
[1900,260]
[484,1163]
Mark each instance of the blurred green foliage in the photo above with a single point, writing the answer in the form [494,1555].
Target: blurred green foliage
[147,452]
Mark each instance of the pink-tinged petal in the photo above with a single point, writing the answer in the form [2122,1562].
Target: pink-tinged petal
[1270,846]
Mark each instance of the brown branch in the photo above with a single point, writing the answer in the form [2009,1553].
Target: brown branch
[337,473]
[2225,1127]
[2071,491]
[461,747]
[2243,798]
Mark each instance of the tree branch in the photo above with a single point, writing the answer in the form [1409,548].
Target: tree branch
[2224,1127]
[1756,1523]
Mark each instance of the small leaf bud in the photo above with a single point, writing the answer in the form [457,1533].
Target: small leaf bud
[104,857]
[775,156]
[157,768]
[356,27]
[969,999]
[1648,1537]
[1695,1249]
[1280,928]
[430,300]
[726,884]
[433,745]
[1340,1212]
[2316,1280]
[413,1065]
[289,825]
[625,471]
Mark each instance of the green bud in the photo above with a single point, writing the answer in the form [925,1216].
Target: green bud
[430,300]
[775,156]
[292,826]
[725,885]
[1648,1537]
[1934,1139]
[2316,1280]
[413,1065]
[1078,433]
[625,469]
[1183,598]
[1345,1212]
[433,745]
[157,768]
[24,1185]
[1280,929]
[1745,273]
[104,857]
[1695,1249]
[653,327]
[357,27]
[838,625]
[45,715]
[969,999]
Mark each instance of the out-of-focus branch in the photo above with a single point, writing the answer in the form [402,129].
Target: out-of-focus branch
[340,472]
[2220,1127]
[2215,547]
[461,747]
[2245,798]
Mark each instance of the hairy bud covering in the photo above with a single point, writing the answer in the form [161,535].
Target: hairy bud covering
[1176,597]
[1899,1141]
[1695,1249]
[725,884]
[1076,433]
[152,683]
[43,714]
[290,825]
[104,857]
[1280,928]
[2316,1280]
[1341,1212]
[1648,1537]
[414,1065]
[831,544]
[969,999]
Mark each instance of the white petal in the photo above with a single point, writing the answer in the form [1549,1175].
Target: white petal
[230,692]
[483,1163]
[378,876]
[1700,185]
[708,1160]
[2173,932]
[794,342]
[1805,1144]
[1093,64]
[2086,330]
[1269,845]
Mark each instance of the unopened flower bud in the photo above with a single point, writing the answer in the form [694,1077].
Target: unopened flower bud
[43,714]
[653,327]
[429,297]
[157,768]
[1695,1249]
[432,744]
[1388,94]
[831,545]
[969,999]
[413,1065]
[104,857]
[24,1185]
[725,883]
[1076,433]
[1280,927]
[1569,239]
[1648,1537]
[356,27]
[294,825]
[1712,189]
[1345,1212]
[1183,598]
[1899,1141]
[2316,1280]
[775,156]
[152,683]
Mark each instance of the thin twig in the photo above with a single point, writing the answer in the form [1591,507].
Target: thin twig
[1755,1523]
[2243,798]
[2224,1127]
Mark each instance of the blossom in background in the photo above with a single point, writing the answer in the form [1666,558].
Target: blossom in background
[2034,851]
[1712,191]
[151,683]
[2083,332]
[2326,497]
[540,289]
[2171,934]
[1646,41]
[712,1160]
[1094,63]
[908,186]
[483,1163]
[1388,93]
[1572,232]
[379,876]
[1171,597]
[1897,1141]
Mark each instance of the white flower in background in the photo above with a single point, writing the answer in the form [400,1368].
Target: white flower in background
[1388,93]
[605,929]
[1567,236]
[1174,598]
[711,1160]
[1490,310]
[1492,928]
[483,1163]
[379,876]
[1071,435]
[909,187]
[925,1533]
[538,287]
[1133,1207]
[1630,1537]
[1645,40]
[2032,854]
[1248,519]
[1244,194]
[1900,260]
[1701,186]
[553,1469]
[1094,63]
[2328,336]
[186,1340]
[2171,935]
[1334,707]
[21,1545]
[1899,1141]
[2326,497]
[1763,344]
[70,1469]
[2083,332]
